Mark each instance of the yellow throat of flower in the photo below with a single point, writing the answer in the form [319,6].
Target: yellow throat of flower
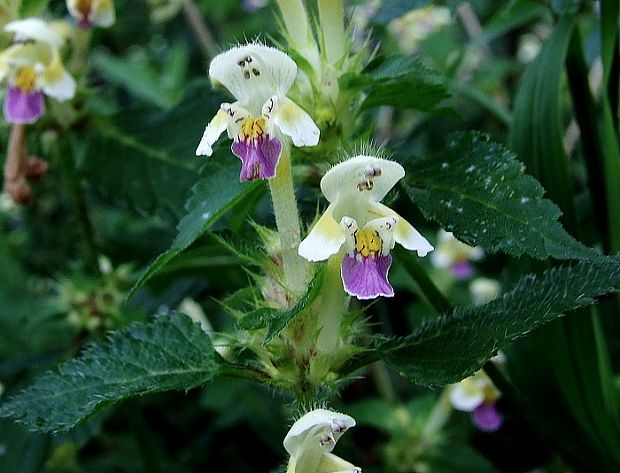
[26,78]
[84,7]
[367,242]
[253,128]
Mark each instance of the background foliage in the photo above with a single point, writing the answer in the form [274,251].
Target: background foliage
[535,185]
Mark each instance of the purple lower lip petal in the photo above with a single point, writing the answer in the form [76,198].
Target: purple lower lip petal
[259,157]
[366,278]
[22,107]
[487,418]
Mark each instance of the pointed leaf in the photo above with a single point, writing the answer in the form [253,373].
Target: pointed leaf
[169,353]
[390,80]
[211,198]
[478,190]
[456,345]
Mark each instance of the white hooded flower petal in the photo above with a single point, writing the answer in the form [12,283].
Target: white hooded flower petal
[347,178]
[34,29]
[102,13]
[253,73]
[311,439]
[472,392]
[61,89]
[466,395]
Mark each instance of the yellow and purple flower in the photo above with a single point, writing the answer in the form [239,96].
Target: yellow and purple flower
[456,255]
[259,78]
[478,395]
[32,68]
[90,13]
[357,223]
[312,439]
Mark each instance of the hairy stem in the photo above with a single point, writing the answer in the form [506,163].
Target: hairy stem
[439,415]
[332,307]
[287,221]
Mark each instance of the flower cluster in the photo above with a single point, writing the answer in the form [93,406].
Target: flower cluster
[262,116]
[456,255]
[478,395]
[357,223]
[32,67]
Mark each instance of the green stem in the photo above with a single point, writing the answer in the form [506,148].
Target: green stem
[434,296]
[287,221]
[332,307]
[383,382]
[439,415]
[81,48]
[77,201]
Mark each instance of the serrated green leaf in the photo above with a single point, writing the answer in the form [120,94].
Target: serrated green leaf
[250,253]
[478,190]
[167,354]
[211,198]
[456,345]
[390,80]
[275,320]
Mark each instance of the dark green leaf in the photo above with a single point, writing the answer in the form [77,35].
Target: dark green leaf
[610,9]
[478,190]
[169,353]
[392,80]
[456,345]
[537,130]
[211,198]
